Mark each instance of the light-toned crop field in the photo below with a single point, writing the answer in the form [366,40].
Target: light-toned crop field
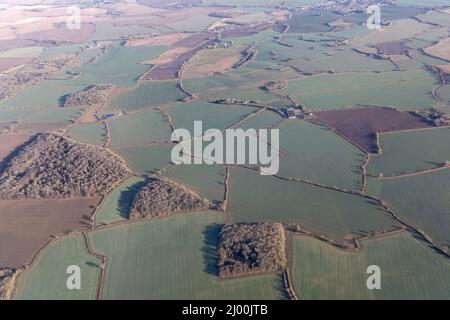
[409,269]
[173,258]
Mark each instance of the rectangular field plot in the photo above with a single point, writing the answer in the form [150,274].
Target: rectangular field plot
[147,160]
[317,154]
[120,66]
[46,278]
[173,258]
[140,128]
[333,214]
[409,269]
[206,180]
[48,93]
[329,91]
[92,133]
[421,200]
[411,151]
[147,94]
[213,116]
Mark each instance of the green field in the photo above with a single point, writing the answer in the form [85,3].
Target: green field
[47,93]
[409,270]
[326,212]
[46,279]
[173,258]
[147,160]
[410,151]
[115,207]
[316,154]
[139,128]
[329,91]
[207,180]
[420,200]
[213,116]
[92,133]
[120,66]
[147,94]
[41,115]
[263,120]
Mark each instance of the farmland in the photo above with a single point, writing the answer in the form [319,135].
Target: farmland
[411,270]
[190,273]
[254,198]
[87,175]
[420,200]
[405,152]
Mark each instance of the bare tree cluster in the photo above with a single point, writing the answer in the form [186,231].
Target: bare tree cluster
[246,248]
[96,94]
[161,197]
[53,166]
[7,280]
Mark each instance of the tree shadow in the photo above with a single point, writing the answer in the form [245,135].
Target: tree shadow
[126,197]
[210,254]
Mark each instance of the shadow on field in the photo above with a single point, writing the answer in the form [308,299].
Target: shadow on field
[210,255]
[126,198]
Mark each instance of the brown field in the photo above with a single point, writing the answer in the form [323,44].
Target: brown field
[440,50]
[26,225]
[194,40]
[9,142]
[360,125]
[209,62]
[245,31]
[16,43]
[168,56]
[62,33]
[171,70]
[9,63]
[392,48]
[165,40]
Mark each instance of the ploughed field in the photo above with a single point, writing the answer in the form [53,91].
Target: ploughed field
[86,175]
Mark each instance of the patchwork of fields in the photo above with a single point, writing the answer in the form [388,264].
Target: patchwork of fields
[363,118]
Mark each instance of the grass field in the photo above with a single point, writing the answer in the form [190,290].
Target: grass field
[46,279]
[92,133]
[146,160]
[262,120]
[317,154]
[420,200]
[120,66]
[42,115]
[212,115]
[409,270]
[333,214]
[173,258]
[116,205]
[139,128]
[348,89]
[147,94]
[47,93]
[207,180]
[411,151]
